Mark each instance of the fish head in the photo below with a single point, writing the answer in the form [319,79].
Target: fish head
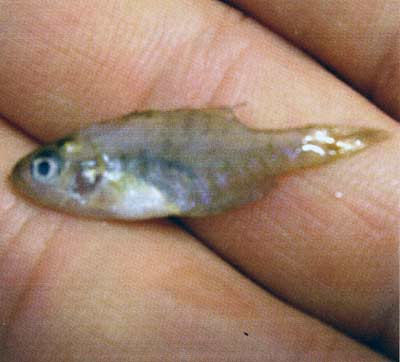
[50,174]
[73,176]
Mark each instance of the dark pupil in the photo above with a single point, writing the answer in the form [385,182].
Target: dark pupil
[44,168]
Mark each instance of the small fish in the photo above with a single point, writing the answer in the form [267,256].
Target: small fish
[187,162]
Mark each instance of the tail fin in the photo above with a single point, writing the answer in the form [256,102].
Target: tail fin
[316,145]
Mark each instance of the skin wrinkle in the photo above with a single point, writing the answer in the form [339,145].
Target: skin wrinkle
[147,94]
[221,29]
[217,35]
[356,211]
[359,215]
[10,208]
[238,265]
[34,274]
[227,74]
[307,35]
[144,94]
[306,275]
[309,275]
[22,215]
[13,239]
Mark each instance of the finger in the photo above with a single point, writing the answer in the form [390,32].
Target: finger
[221,60]
[359,39]
[76,290]
[64,66]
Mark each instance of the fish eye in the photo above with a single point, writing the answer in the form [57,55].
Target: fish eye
[45,168]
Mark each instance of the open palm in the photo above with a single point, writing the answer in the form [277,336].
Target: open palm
[290,278]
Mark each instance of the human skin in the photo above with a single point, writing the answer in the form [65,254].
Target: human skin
[309,273]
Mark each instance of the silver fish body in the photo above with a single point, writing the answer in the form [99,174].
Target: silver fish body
[188,162]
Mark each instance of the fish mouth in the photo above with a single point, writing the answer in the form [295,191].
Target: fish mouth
[15,176]
[20,180]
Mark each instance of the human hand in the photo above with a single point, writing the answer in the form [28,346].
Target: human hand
[324,240]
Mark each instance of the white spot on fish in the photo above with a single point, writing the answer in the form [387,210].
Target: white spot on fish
[320,136]
[313,148]
[350,145]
